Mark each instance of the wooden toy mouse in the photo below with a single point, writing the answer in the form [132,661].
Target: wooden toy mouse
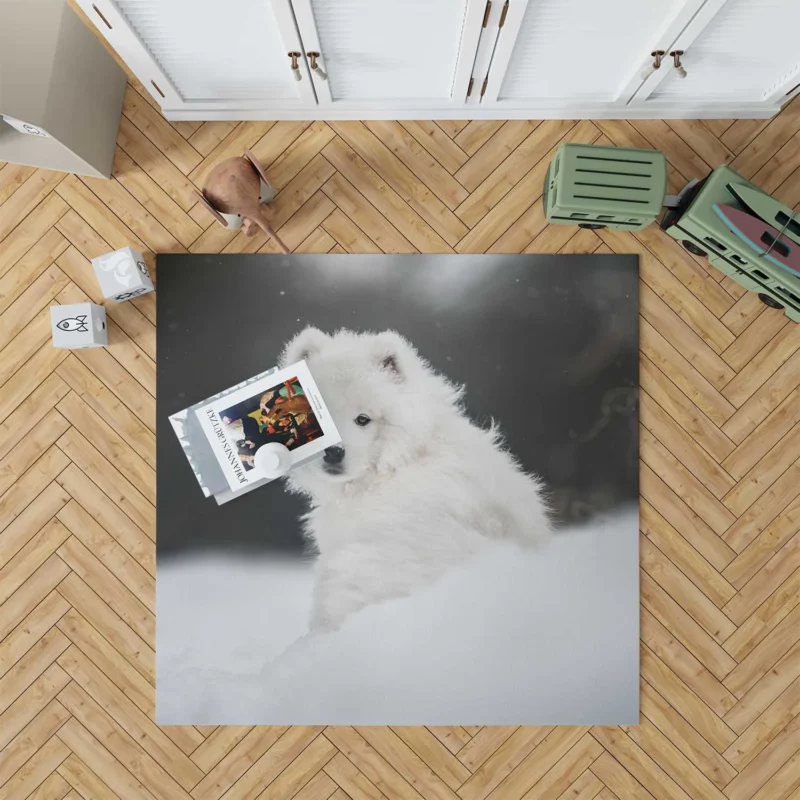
[233,194]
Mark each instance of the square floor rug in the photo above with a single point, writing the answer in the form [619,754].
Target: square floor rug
[468,552]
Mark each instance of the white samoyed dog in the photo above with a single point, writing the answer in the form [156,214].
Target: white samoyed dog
[414,489]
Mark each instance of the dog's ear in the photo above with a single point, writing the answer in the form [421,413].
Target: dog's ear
[393,353]
[390,364]
[309,341]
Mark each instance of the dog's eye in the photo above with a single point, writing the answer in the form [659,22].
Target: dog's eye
[362,420]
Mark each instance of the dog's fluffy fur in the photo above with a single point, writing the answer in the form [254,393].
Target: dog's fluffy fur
[420,487]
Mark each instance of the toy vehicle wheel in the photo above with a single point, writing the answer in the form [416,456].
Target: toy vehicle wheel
[693,248]
[769,301]
[592,226]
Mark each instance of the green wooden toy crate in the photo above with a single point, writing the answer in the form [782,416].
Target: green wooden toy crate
[696,225]
[605,187]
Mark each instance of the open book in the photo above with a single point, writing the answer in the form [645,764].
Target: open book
[221,435]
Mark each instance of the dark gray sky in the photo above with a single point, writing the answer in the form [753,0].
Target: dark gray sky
[547,345]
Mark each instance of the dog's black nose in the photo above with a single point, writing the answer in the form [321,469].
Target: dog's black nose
[333,455]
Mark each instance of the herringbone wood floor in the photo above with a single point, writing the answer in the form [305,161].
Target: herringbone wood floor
[720,468]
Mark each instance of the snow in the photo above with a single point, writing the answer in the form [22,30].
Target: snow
[513,637]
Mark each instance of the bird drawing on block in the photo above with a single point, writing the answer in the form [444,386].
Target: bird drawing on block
[233,187]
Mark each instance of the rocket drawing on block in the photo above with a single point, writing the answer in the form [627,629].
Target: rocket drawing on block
[74,324]
[78,325]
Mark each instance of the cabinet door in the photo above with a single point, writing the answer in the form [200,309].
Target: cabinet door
[570,53]
[414,53]
[743,51]
[206,53]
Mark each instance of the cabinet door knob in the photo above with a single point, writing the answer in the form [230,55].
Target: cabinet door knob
[676,56]
[650,69]
[313,56]
[294,55]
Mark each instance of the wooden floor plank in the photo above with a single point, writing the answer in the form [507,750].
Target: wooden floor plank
[36,771]
[759,576]
[227,772]
[30,267]
[209,135]
[354,783]
[496,185]
[661,496]
[105,474]
[34,736]
[12,176]
[31,702]
[684,448]
[718,734]
[108,443]
[84,782]
[426,168]
[683,555]
[153,161]
[92,608]
[684,375]
[111,554]
[660,603]
[279,137]
[159,131]
[152,197]
[435,755]
[172,763]
[373,225]
[108,588]
[685,665]
[476,133]
[26,198]
[675,583]
[502,762]
[765,436]
[33,227]
[299,153]
[661,715]
[683,411]
[437,143]
[94,393]
[39,293]
[31,629]
[768,507]
[764,400]
[109,516]
[101,763]
[417,219]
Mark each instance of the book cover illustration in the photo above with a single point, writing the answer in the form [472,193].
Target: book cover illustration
[285,406]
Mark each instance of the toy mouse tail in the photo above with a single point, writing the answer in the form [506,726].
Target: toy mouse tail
[268,229]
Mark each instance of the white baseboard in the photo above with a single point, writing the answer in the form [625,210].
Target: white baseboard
[369,112]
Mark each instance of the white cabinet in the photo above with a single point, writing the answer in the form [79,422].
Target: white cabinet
[441,59]
[594,62]
[736,51]
[206,53]
[414,53]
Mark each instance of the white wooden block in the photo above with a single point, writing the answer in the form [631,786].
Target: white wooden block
[78,325]
[122,274]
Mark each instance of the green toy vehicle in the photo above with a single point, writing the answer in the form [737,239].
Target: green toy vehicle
[703,232]
[605,187]
[744,232]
